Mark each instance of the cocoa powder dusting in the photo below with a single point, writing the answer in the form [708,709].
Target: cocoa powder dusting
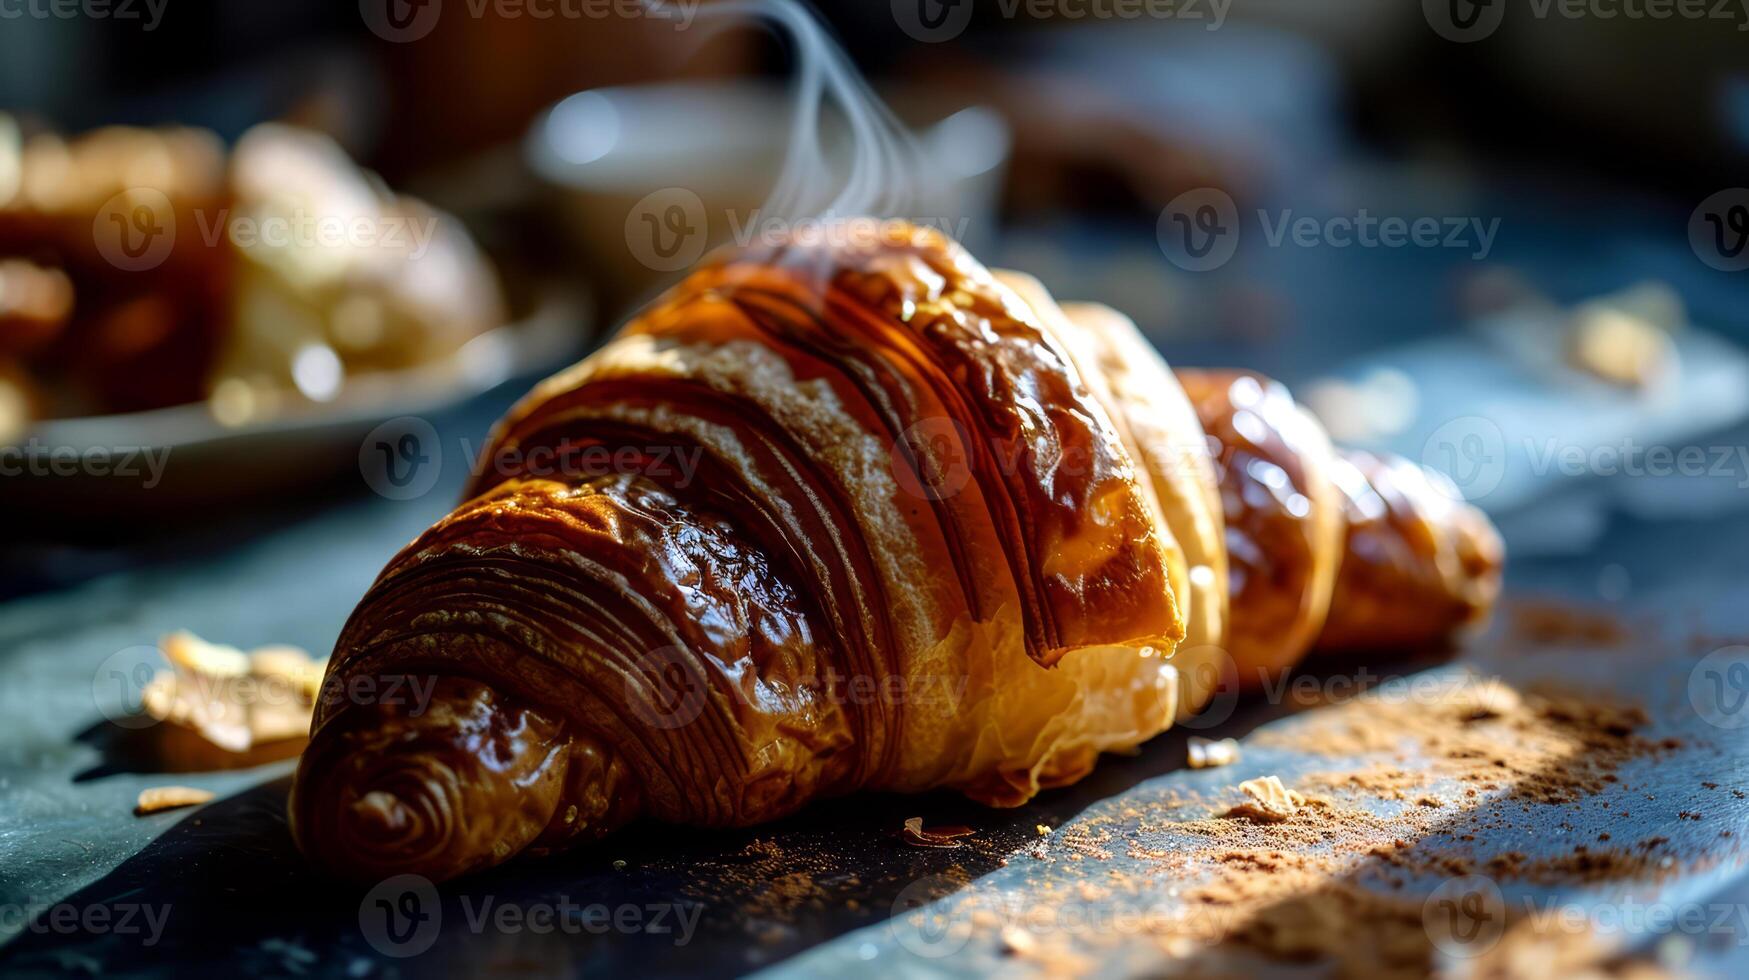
[1544,623]
[1427,781]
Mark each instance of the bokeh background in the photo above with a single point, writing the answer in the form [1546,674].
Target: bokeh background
[1581,302]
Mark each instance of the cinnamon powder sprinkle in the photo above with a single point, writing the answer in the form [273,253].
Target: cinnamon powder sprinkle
[1338,877]
[1544,623]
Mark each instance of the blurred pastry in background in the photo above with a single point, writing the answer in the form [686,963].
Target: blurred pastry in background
[399,286]
[19,401]
[1625,338]
[144,268]
[101,211]
[35,304]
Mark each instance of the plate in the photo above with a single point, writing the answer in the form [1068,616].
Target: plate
[180,459]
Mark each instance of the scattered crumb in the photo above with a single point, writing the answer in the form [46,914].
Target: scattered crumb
[234,700]
[1271,802]
[916,835]
[1207,753]
[1488,698]
[1017,941]
[155,799]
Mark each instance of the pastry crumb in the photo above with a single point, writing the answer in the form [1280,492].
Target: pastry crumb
[1488,698]
[155,799]
[233,699]
[1271,801]
[1017,941]
[917,835]
[1206,753]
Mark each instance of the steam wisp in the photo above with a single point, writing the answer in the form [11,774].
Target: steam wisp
[887,170]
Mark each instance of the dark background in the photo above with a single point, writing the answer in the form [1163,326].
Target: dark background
[1656,104]
[1591,140]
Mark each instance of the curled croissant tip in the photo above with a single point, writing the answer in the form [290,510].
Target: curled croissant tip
[382,813]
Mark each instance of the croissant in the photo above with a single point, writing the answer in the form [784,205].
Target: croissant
[841,514]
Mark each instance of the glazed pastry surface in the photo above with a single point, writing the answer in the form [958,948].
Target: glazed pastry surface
[841,516]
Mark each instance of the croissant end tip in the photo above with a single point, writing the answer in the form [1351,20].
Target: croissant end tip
[381,811]
[387,792]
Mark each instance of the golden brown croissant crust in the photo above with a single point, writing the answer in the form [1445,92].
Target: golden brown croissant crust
[874,519]
[922,349]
